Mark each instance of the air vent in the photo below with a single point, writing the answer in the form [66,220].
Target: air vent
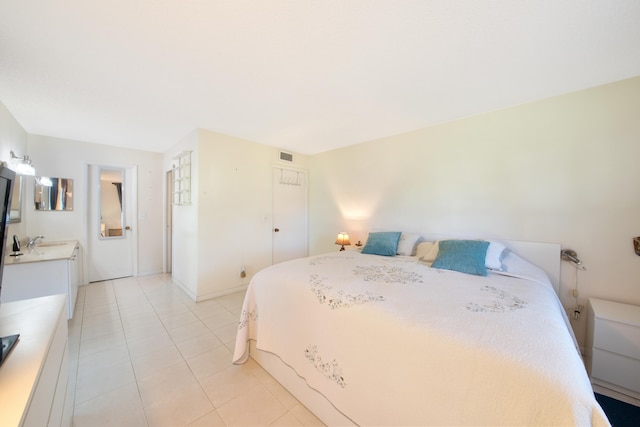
[286,157]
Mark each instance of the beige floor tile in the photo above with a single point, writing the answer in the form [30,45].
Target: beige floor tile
[93,381]
[152,363]
[208,308]
[105,359]
[198,345]
[149,344]
[120,407]
[219,320]
[226,333]
[305,416]
[102,343]
[256,407]
[212,419]
[287,420]
[228,384]
[142,353]
[186,332]
[167,382]
[211,362]
[173,320]
[179,408]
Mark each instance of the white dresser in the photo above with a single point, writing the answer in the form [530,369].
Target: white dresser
[34,376]
[613,346]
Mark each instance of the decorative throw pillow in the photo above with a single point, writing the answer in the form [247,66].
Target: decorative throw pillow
[430,256]
[423,249]
[407,244]
[465,256]
[495,254]
[382,243]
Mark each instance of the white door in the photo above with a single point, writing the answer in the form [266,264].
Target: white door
[290,231]
[111,209]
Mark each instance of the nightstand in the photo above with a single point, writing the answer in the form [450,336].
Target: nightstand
[613,346]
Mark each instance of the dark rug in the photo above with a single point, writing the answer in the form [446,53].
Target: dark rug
[620,414]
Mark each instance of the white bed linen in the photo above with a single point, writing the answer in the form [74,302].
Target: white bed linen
[390,341]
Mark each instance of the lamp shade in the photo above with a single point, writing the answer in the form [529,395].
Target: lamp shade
[342,239]
[25,169]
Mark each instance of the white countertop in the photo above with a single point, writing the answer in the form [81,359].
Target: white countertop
[43,251]
[35,320]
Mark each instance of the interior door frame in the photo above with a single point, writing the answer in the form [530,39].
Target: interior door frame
[305,237]
[132,175]
[168,258]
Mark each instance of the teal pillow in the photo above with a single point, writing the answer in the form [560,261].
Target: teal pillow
[382,243]
[465,256]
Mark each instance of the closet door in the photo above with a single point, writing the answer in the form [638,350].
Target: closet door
[290,223]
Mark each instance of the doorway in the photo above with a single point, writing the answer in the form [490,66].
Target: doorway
[290,231]
[112,209]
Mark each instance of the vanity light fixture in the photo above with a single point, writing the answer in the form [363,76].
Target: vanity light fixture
[343,239]
[23,165]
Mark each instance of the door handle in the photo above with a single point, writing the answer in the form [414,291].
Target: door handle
[276,229]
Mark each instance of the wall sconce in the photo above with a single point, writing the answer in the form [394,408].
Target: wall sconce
[343,239]
[636,245]
[23,165]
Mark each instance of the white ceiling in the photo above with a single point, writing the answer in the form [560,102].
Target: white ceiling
[306,76]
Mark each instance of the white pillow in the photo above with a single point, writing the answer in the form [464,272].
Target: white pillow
[407,244]
[423,248]
[495,254]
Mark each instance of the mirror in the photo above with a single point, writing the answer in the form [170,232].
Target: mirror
[16,201]
[53,194]
[111,203]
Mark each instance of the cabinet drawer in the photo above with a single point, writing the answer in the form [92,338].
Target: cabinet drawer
[617,338]
[616,369]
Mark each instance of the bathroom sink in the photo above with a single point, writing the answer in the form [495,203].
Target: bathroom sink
[49,244]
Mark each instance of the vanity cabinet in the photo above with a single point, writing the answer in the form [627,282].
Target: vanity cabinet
[55,270]
[613,346]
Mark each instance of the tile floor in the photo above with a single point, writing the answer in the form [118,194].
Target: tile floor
[143,354]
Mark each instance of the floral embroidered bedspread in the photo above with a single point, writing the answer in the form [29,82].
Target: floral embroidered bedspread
[391,341]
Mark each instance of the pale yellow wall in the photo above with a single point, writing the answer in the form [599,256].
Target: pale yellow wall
[561,170]
[184,266]
[228,225]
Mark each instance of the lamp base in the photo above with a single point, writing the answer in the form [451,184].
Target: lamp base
[341,249]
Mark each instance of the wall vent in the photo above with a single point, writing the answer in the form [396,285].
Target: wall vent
[286,157]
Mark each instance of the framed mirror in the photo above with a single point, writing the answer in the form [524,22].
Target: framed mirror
[53,194]
[16,201]
[111,203]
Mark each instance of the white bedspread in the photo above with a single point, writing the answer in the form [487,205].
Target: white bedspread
[390,341]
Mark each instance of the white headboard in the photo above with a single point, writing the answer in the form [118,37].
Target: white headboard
[544,255]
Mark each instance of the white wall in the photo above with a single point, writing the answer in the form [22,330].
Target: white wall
[12,138]
[63,158]
[230,219]
[184,268]
[561,170]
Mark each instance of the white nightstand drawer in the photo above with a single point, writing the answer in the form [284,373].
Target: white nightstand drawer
[616,369]
[617,338]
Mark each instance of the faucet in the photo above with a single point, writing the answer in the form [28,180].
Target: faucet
[33,241]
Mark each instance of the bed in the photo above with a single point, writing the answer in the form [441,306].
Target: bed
[367,339]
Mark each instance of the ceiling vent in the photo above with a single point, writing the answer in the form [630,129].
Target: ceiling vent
[286,157]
